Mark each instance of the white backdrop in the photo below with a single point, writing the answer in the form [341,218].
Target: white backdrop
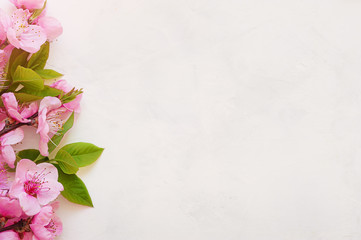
[232,119]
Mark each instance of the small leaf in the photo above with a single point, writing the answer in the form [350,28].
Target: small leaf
[83,153]
[37,13]
[14,54]
[47,91]
[38,60]
[28,78]
[25,98]
[66,162]
[20,60]
[74,189]
[48,74]
[60,134]
[31,154]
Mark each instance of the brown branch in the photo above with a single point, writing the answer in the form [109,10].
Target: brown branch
[11,127]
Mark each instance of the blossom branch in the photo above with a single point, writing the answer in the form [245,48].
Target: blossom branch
[21,226]
[11,127]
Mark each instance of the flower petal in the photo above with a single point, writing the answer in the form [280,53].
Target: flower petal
[29,204]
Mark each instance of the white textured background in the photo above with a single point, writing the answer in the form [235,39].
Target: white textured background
[221,119]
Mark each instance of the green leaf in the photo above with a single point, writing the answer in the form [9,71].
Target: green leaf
[37,13]
[14,54]
[38,60]
[60,134]
[66,162]
[28,78]
[83,153]
[47,91]
[48,74]
[31,154]
[74,189]
[20,60]
[25,98]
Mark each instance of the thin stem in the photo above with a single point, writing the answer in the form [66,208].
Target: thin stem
[11,127]
[21,226]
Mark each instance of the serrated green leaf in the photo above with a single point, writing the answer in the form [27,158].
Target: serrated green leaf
[28,78]
[74,189]
[60,134]
[48,74]
[38,60]
[66,162]
[83,153]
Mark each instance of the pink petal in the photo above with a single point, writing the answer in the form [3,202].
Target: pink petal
[30,110]
[11,106]
[74,105]
[12,137]
[32,39]
[9,235]
[19,20]
[50,103]
[23,167]
[11,36]
[5,23]
[51,26]
[62,85]
[50,169]
[41,232]
[43,146]
[7,154]
[10,207]
[29,204]
[17,188]
[51,194]
[44,216]
[29,4]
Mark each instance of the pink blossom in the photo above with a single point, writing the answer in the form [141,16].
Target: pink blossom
[10,208]
[5,23]
[4,58]
[66,87]
[11,106]
[49,121]
[9,235]
[23,35]
[29,4]
[35,185]
[7,152]
[46,225]
[51,26]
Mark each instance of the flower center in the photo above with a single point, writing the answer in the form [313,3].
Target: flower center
[55,121]
[51,227]
[34,184]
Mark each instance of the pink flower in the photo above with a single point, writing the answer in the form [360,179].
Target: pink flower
[46,225]
[66,87]
[22,35]
[4,58]
[10,208]
[35,185]
[29,4]
[11,106]
[7,152]
[49,121]
[5,23]
[51,26]
[9,235]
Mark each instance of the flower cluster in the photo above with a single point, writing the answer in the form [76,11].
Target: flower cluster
[35,97]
